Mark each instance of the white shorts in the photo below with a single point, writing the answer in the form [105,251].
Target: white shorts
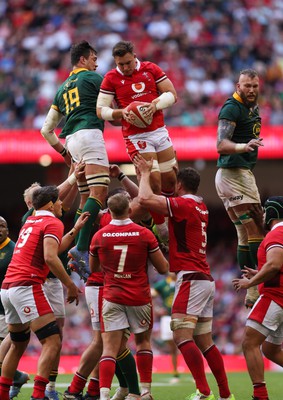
[93,296]
[165,330]
[236,186]
[266,317]
[194,294]
[54,291]
[117,317]
[149,142]
[23,304]
[88,145]
[3,327]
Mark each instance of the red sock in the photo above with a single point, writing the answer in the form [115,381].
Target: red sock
[260,391]
[194,361]
[144,364]
[107,366]
[39,387]
[216,364]
[78,383]
[5,384]
[93,387]
[157,218]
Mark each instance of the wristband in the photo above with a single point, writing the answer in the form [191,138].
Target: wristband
[240,147]
[166,99]
[72,179]
[63,152]
[121,176]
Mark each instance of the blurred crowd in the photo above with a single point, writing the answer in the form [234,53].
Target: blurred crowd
[202,45]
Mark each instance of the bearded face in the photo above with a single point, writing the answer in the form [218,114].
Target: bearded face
[248,89]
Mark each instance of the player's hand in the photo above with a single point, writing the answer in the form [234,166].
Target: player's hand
[73,294]
[82,220]
[114,171]
[127,116]
[142,164]
[256,211]
[79,169]
[241,283]
[249,272]
[253,144]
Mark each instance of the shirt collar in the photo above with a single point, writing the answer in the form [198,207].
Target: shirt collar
[238,97]
[198,199]
[121,222]
[3,244]
[77,70]
[41,213]
[276,225]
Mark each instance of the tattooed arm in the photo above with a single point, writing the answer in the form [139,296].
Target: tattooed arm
[224,134]
[224,143]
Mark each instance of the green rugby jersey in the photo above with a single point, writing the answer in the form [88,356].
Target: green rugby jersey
[166,290]
[76,99]
[6,252]
[248,124]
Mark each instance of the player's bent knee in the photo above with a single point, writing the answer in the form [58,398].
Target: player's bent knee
[167,166]
[48,330]
[22,336]
[183,323]
[203,327]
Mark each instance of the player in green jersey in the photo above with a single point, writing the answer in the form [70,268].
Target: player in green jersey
[237,144]
[76,101]
[6,252]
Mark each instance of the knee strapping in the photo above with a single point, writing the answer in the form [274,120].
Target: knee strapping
[183,323]
[22,336]
[48,330]
[202,328]
[244,217]
[167,166]
[98,180]
[155,166]
[83,187]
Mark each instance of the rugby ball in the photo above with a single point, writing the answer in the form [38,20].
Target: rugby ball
[136,110]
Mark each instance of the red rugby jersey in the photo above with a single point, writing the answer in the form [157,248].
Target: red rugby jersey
[141,86]
[272,288]
[188,220]
[27,264]
[123,248]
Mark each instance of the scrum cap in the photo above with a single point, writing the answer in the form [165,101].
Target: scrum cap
[273,208]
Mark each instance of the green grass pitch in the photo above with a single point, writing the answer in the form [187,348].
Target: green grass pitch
[162,389]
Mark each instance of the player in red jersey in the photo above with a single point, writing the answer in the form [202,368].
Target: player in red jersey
[264,327]
[22,294]
[192,308]
[145,81]
[121,250]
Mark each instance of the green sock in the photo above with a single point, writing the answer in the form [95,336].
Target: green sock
[127,365]
[93,206]
[77,215]
[244,257]
[121,379]
[253,247]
